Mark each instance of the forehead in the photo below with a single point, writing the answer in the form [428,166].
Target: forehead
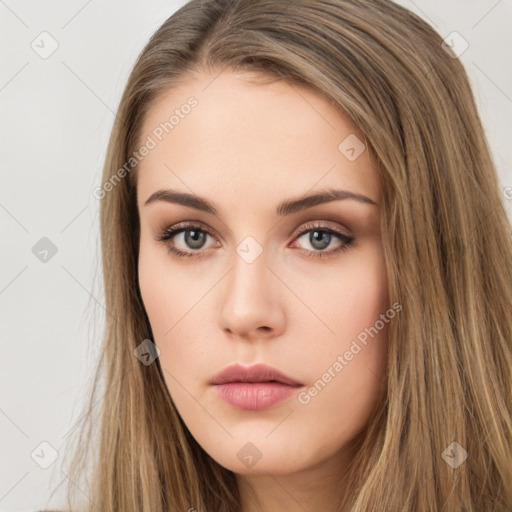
[250,140]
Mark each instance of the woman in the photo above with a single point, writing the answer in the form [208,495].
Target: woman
[307,267]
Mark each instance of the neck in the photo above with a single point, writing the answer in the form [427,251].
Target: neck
[318,487]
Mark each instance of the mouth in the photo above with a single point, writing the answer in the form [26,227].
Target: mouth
[254,388]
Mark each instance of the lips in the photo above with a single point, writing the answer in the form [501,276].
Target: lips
[257,373]
[254,388]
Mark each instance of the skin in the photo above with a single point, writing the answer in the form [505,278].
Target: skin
[246,147]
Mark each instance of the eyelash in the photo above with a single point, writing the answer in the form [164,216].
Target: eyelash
[169,233]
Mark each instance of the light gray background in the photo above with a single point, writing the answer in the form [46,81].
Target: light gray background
[56,115]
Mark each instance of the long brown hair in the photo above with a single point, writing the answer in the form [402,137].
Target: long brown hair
[448,250]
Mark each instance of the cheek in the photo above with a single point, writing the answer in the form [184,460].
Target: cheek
[348,373]
[367,294]
[168,293]
[346,299]
[175,302]
[155,291]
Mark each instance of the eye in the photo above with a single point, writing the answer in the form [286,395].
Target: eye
[320,237]
[194,237]
[191,235]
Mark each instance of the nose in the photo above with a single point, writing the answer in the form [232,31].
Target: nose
[252,306]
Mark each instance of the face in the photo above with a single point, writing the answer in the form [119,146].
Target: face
[238,278]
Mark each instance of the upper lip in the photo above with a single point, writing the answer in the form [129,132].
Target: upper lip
[255,373]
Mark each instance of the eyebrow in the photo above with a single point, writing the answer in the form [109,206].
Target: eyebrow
[284,208]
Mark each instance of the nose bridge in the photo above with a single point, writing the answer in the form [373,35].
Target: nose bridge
[249,277]
[250,300]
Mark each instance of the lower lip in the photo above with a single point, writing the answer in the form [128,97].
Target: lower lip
[255,396]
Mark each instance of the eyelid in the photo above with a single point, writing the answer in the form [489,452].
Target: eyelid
[320,224]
